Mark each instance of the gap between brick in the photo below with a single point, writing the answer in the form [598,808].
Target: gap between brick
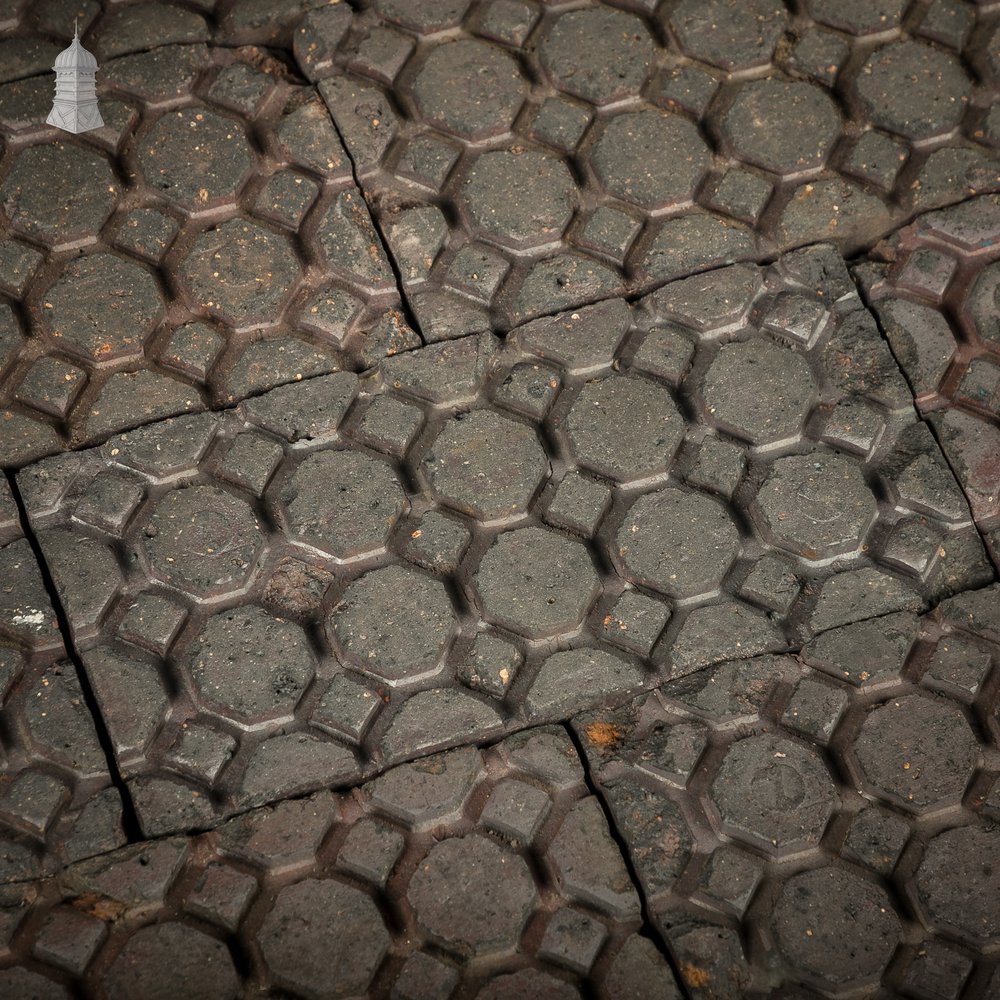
[130,819]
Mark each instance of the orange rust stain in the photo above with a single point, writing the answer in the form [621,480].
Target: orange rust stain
[695,976]
[100,907]
[603,734]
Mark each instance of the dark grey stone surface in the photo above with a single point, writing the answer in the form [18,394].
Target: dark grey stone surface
[57,800]
[532,135]
[770,806]
[191,277]
[719,492]
[424,884]
[295,593]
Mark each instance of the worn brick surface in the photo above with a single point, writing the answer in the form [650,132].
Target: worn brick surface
[285,596]
[469,873]
[57,803]
[719,494]
[937,303]
[526,157]
[801,829]
[206,244]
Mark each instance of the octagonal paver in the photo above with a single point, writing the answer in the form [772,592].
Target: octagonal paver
[914,89]
[536,581]
[835,925]
[626,428]
[343,503]
[323,939]
[919,751]
[241,272]
[759,391]
[202,540]
[470,88]
[164,961]
[486,464]
[626,54]
[858,17]
[196,157]
[103,307]
[522,198]
[639,97]
[775,792]
[984,303]
[472,896]
[424,16]
[629,158]
[59,193]
[425,794]
[958,882]
[395,622]
[782,126]
[816,505]
[252,663]
[729,35]
[679,542]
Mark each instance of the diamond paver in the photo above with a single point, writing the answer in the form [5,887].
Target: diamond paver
[196,276]
[280,598]
[781,759]
[938,305]
[588,150]
[401,890]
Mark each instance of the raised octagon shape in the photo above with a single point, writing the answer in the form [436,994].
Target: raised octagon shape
[984,303]
[472,895]
[625,57]
[958,882]
[918,750]
[253,664]
[102,307]
[196,157]
[914,89]
[651,158]
[682,543]
[470,88]
[486,465]
[626,428]
[162,961]
[203,541]
[241,272]
[854,928]
[729,35]
[523,199]
[781,126]
[323,939]
[759,391]
[817,505]
[774,792]
[395,623]
[59,193]
[342,503]
[536,582]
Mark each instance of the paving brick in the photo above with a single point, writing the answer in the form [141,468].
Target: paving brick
[795,759]
[409,590]
[57,802]
[936,303]
[557,917]
[493,111]
[191,235]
